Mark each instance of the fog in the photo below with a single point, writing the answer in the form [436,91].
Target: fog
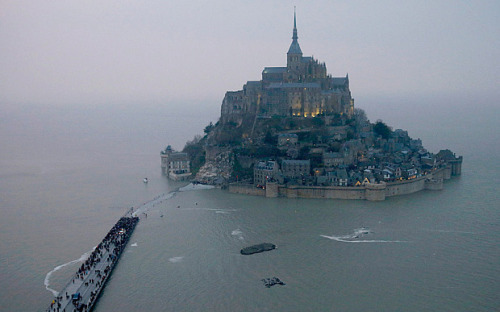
[95,53]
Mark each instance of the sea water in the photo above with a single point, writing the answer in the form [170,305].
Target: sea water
[68,174]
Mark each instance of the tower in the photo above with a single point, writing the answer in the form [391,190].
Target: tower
[294,54]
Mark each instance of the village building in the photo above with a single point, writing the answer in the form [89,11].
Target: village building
[265,171]
[175,165]
[292,168]
[333,159]
[287,140]
[338,177]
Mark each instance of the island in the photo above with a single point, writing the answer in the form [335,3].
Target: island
[296,133]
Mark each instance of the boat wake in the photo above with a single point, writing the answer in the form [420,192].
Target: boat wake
[195,187]
[238,234]
[359,233]
[57,268]
[175,259]
[451,231]
[144,207]
[216,210]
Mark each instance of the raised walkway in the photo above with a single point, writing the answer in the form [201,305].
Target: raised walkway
[83,290]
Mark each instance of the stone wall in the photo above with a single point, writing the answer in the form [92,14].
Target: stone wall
[371,192]
[329,192]
[376,192]
[272,189]
[456,166]
[248,189]
[405,187]
[442,173]
[434,184]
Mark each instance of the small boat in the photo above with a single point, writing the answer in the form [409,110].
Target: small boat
[145,180]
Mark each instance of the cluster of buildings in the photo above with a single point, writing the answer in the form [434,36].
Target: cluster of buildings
[333,146]
[353,155]
[360,161]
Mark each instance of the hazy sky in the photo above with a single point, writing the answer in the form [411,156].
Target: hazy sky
[80,52]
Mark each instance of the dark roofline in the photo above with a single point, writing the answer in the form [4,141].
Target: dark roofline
[307,85]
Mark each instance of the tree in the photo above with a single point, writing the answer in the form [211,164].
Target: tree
[239,172]
[304,152]
[269,139]
[318,121]
[209,128]
[380,128]
[196,153]
[360,116]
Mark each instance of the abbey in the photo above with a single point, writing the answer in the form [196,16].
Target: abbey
[302,88]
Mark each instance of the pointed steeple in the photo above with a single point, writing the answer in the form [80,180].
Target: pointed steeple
[295,37]
[294,47]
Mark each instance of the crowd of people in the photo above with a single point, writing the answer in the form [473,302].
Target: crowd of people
[112,245]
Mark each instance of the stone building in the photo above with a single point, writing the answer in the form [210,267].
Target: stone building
[302,88]
[287,140]
[333,159]
[175,165]
[264,171]
[450,158]
[295,168]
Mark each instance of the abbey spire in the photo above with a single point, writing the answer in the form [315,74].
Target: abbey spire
[294,47]
[294,37]
[303,89]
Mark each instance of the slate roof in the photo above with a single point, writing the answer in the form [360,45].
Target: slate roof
[178,157]
[294,48]
[332,155]
[341,174]
[274,70]
[306,162]
[254,83]
[266,165]
[308,85]
[339,81]
[446,155]
[288,135]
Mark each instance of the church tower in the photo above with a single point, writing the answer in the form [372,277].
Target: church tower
[294,55]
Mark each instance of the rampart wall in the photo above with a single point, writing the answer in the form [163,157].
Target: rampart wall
[405,187]
[330,192]
[371,192]
[248,189]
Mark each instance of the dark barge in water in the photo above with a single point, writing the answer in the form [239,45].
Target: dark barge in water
[257,248]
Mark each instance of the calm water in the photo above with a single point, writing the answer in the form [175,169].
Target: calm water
[66,175]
